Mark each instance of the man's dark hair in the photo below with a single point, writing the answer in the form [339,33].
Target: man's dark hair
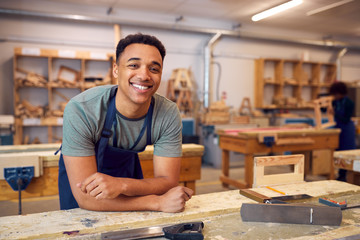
[139,38]
[338,88]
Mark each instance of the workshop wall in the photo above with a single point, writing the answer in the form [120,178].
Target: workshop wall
[233,67]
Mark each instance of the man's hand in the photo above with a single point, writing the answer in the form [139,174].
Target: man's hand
[174,200]
[100,186]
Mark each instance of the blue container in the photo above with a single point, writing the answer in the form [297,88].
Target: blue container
[6,140]
[188,127]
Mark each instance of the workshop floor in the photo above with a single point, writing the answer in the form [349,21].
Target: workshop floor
[208,183]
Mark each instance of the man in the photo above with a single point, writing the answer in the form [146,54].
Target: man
[105,127]
[343,108]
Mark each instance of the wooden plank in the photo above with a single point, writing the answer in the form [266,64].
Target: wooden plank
[259,81]
[10,160]
[348,154]
[291,141]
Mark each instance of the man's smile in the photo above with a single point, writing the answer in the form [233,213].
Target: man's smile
[141,87]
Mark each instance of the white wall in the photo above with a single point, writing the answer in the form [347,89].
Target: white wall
[235,55]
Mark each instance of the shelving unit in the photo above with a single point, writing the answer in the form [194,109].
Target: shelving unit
[292,84]
[44,80]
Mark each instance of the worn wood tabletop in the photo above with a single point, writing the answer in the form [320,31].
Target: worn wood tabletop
[219,211]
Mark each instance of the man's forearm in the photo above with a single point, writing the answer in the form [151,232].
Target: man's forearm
[121,203]
[141,187]
[172,201]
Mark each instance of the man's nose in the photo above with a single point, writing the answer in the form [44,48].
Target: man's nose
[143,73]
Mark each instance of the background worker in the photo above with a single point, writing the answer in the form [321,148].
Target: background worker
[105,127]
[343,108]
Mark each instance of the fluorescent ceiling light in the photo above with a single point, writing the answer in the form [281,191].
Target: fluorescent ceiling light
[275,10]
[322,9]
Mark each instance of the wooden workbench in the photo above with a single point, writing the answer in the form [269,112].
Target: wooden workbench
[350,161]
[247,142]
[46,183]
[220,213]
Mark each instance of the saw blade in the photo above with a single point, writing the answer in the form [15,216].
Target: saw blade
[138,233]
[190,230]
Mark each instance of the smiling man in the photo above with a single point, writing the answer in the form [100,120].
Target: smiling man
[105,127]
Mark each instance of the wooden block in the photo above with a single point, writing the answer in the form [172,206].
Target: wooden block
[9,160]
[321,160]
[260,179]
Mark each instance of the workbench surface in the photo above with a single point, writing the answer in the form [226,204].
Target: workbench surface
[220,213]
[350,161]
[42,157]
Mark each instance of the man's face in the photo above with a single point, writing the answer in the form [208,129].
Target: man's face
[138,73]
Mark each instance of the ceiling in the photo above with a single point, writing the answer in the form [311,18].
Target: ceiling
[341,21]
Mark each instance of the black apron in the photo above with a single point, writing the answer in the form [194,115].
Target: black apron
[110,160]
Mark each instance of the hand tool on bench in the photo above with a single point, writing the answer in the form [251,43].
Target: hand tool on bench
[264,199]
[291,213]
[285,212]
[183,231]
[342,205]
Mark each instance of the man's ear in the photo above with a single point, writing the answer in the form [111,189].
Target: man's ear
[115,70]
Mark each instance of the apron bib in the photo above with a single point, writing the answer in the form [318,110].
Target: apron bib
[110,160]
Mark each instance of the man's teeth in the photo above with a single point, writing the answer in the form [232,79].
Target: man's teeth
[140,87]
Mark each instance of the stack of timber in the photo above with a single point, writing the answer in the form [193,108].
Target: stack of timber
[27,110]
[31,79]
[218,113]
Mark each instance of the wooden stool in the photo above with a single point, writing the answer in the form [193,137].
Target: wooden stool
[260,179]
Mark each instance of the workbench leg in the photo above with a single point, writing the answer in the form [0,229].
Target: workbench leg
[308,160]
[249,170]
[350,177]
[225,165]
[332,168]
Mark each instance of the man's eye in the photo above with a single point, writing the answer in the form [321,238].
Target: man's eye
[154,69]
[133,65]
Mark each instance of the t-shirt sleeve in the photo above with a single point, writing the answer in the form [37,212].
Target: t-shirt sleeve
[169,143]
[77,138]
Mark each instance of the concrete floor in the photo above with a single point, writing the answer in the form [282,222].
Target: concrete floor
[208,183]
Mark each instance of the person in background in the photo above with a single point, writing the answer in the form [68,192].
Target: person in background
[343,108]
[105,127]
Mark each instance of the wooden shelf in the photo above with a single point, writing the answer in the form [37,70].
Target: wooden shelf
[45,79]
[288,83]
